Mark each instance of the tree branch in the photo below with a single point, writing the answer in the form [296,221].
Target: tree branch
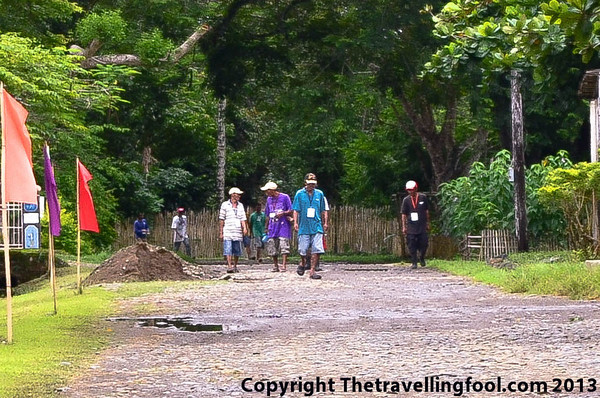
[92,60]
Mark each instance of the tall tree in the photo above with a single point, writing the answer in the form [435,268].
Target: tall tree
[505,36]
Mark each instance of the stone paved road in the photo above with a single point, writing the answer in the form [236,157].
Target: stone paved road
[371,322]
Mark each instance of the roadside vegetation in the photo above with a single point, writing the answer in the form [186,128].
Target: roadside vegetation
[544,273]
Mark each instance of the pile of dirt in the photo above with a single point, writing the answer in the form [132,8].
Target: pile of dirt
[143,263]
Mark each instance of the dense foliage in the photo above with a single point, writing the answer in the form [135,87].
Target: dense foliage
[574,192]
[336,87]
[484,200]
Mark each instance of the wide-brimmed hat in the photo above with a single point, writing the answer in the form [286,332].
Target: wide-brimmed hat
[235,190]
[269,185]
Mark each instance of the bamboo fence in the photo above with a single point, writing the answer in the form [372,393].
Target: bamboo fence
[491,243]
[351,230]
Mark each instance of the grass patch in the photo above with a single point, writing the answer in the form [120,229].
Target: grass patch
[564,276]
[49,349]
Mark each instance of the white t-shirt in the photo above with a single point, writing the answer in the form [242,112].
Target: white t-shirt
[233,217]
[179,225]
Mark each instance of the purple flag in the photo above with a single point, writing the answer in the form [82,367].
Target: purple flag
[51,194]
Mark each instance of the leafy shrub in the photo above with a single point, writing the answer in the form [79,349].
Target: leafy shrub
[484,199]
[572,192]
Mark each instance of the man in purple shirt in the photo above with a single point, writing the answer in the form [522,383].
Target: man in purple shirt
[278,212]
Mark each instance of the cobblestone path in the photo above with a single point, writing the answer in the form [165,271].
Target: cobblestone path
[374,323]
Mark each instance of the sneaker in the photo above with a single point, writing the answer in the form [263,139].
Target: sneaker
[315,276]
[300,270]
[413,266]
[422,263]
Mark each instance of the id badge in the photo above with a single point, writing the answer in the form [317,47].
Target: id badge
[310,212]
[414,216]
[272,215]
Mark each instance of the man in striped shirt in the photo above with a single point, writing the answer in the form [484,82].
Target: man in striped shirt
[232,228]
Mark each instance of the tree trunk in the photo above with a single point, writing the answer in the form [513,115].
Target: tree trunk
[446,155]
[518,161]
[221,148]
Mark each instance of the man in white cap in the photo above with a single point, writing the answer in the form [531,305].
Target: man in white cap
[278,211]
[415,223]
[232,228]
[180,235]
[311,223]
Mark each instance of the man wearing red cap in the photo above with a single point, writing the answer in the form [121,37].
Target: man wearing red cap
[179,227]
[415,223]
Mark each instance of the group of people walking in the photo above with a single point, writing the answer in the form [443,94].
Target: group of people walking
[307,214]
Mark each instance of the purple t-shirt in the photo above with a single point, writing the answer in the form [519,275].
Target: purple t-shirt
[279,227]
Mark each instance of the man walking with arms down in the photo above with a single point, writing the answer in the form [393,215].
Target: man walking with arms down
[180,235]
[415,223]
[277,211]
[310,221]
[232,228]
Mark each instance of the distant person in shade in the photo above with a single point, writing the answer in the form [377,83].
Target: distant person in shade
[141,228]
[180,235]
[257,230]
[415,223]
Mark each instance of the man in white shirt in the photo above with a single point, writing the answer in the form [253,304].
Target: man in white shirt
[233,226]
[179,227]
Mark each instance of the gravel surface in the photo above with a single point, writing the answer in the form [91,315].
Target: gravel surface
[360,324]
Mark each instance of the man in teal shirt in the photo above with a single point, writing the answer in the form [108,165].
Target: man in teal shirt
[310,221]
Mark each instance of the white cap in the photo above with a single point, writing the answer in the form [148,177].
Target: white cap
[235,190]
[269,185]
[411,185]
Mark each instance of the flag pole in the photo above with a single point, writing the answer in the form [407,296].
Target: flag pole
[51,253]
[5,237]
[52,265]
[79,288]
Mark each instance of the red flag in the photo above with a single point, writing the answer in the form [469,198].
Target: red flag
[20,183]
[87,213]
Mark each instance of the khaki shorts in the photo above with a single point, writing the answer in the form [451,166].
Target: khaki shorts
[277,246]
[257,242]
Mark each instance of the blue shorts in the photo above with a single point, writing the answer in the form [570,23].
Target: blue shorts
[246,241]
[315,242]
[232,248]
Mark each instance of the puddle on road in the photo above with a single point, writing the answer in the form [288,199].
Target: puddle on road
[182,324]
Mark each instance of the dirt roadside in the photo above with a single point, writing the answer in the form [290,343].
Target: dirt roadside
[371,322]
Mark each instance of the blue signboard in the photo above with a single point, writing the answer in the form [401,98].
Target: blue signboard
[32,237]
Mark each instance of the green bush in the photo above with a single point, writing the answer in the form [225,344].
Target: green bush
[484,199]
[67,241]
[571,192]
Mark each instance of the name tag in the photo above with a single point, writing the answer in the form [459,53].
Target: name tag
[414,216]
[310,212]
[272,215]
